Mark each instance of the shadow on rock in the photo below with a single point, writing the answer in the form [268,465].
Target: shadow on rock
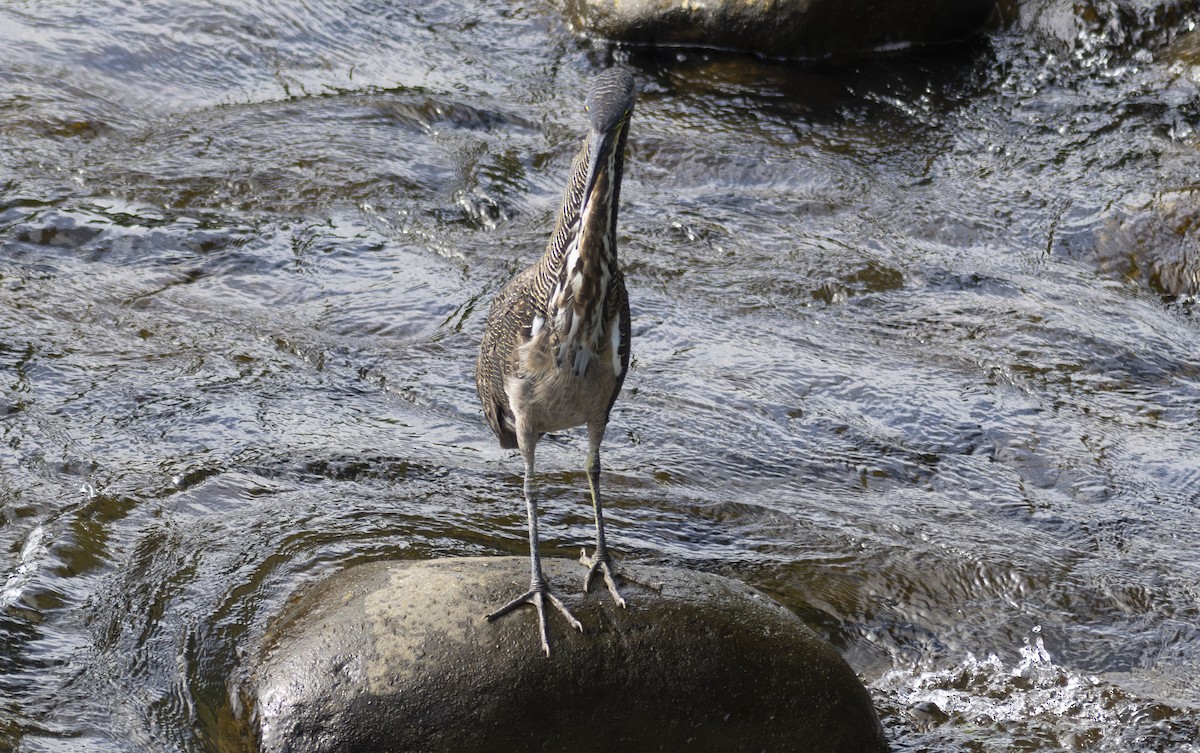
[797,29]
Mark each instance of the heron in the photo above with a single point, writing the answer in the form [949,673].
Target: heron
[555,347]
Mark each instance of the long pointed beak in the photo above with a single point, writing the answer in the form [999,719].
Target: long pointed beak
[601,160]
[609,105]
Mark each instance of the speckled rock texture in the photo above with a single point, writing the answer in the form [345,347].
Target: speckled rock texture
[396,656]
[805,29]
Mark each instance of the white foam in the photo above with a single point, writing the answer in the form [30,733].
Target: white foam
[1033,698]
[31,552]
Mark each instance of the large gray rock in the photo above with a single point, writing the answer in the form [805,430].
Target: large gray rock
[782,28]
[395,656]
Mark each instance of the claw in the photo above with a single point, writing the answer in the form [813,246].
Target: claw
[600,564]
[537,597]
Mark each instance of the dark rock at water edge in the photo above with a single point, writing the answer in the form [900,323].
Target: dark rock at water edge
[395,656]
[1118,25]
[802,29]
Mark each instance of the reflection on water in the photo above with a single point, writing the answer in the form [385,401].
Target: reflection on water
[892,363]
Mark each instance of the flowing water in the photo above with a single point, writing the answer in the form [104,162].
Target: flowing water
[882,370]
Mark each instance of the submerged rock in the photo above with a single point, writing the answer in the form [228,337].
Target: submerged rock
[1155,240]
[782,28]
[1185,51]
[395,656]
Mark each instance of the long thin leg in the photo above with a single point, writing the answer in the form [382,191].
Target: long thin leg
[600,561]
[539,589]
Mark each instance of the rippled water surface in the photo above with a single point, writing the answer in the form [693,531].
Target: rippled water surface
[915,350]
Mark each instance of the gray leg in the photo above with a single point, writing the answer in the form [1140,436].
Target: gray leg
[539,590]
[600,561]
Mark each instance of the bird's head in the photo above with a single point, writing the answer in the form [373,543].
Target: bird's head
[609,106]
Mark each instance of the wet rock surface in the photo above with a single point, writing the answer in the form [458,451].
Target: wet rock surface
[1126,25]
[395,656]
[782,28]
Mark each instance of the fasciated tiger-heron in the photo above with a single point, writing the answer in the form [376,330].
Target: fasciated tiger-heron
[555,347]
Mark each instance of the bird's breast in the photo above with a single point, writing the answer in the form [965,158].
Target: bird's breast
[553,397]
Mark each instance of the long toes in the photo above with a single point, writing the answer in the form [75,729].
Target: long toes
[590,564]
[612,588]
[605,569]
[537,598]
[543,629]
[520,601]
[565,612]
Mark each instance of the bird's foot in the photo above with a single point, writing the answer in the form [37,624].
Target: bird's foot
[601,563]
[538,595]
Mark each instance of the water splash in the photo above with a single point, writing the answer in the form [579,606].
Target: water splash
[1033,704]
[27,565]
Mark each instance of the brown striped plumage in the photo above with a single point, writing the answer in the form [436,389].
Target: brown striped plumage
[555,347]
